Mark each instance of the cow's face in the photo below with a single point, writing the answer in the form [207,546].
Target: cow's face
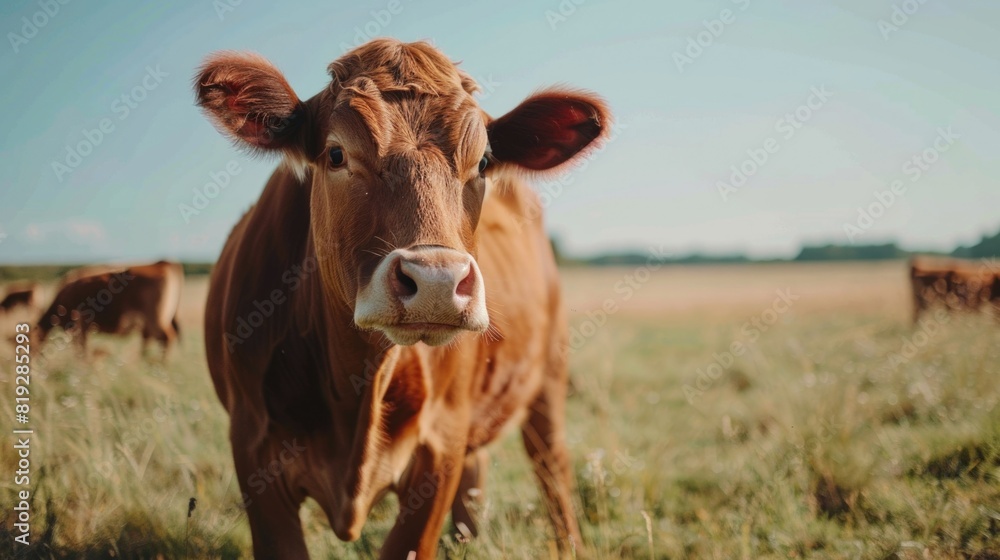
[397,155]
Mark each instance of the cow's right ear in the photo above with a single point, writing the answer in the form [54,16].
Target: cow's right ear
[249,100]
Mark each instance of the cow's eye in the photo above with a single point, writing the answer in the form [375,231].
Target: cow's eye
[337,158]
[483,163]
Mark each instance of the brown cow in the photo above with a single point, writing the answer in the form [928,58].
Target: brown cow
[117,301]
[18,295]
[93,270]
[389,306]
[995,296]
[955,284]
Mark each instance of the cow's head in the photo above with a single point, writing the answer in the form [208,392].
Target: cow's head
[397,155]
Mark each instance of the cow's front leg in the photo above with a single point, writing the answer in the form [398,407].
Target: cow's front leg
[470,498]
[425,499]
[272,502]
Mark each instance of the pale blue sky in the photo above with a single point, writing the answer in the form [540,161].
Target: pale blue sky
[656,184]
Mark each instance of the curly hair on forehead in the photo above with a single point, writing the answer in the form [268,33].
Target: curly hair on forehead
[405,96]
[394,66]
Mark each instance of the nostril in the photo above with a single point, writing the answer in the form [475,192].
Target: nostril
[464,288]
[403,285]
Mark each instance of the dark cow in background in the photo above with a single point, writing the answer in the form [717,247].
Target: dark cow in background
[955,284]
[118,300]
[27,296]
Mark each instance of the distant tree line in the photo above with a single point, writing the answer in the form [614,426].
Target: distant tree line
[988,247]
[887,251]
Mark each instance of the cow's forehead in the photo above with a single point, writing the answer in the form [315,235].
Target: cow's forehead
[404,120]
[408,95]
[393,66]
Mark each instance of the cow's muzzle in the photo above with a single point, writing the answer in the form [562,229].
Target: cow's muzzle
[425,293]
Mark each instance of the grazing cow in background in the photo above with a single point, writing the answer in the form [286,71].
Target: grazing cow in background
[955,284]
[21,296]
[388,307]
[99,269]
[995,296]
[117,300]
[92,270]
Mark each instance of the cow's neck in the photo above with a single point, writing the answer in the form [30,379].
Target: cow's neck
[352,357]
[359,367]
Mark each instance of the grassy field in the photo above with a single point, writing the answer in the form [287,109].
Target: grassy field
[778,411]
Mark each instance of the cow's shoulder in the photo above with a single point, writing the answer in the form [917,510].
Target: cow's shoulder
[255,281]
[515,254]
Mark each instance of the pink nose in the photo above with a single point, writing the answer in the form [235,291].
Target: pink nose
[433,277]
[426,293]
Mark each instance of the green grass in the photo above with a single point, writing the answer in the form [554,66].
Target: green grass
[809,445]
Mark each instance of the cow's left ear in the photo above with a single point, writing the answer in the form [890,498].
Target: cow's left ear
[250,101]
[548,129]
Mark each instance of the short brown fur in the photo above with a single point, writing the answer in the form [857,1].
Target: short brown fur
[117,300]
[345,415]
[953,284]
